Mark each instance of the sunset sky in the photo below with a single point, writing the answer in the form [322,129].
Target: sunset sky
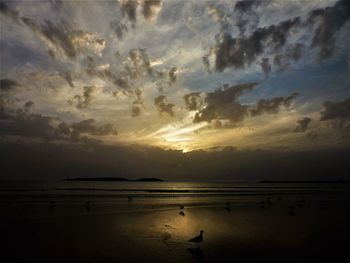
[179,75]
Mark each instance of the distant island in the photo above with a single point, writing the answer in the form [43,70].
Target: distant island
[307,182]
[114,179]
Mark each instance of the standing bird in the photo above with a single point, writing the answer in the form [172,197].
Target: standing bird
[87,205]
[197,239]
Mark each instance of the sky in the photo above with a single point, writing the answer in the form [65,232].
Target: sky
[187,76]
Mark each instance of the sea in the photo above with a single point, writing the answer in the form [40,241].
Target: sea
[47,198]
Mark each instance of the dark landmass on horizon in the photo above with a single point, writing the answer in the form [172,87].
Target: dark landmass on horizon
[114,179]
[56,162]
[307,182]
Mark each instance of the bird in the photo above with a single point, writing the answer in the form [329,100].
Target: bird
[268,200]
[52,205]
[197,239]
[87,205]
[182,207]
[291,213]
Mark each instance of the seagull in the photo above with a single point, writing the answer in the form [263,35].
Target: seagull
[197,239]
[52,204]
[87,206]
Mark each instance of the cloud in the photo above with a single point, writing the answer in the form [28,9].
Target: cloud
[330,20]
[129,9]
[151,8]
[241,52]
[164,107]
[68,76]
[88,126]
[265,66]
[320,27]
[8,84]
[335,110]
[172,75]
[193,101]
[84,101]
[271,106]
[119,28]
[302,124]
[137,105]
[223,104]
[28,106]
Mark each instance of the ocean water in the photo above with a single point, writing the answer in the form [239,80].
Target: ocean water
[27,198]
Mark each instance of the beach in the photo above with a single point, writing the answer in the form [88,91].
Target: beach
[108,228]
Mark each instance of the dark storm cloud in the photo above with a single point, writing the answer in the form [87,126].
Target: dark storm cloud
[88,126]
[56,34]
[247,18]
[119,29]
[137,105]
[117,78]
[8,84]
[223,104]
[271,106]
[129,9]
[302,124]
[163,107]
[29,125]
[193,101]
[136,108]
[172,75]
[281,62]
[68,76]
[206,63]
[335,110]
[247,5]
[148,8]
[243,51]
[59,37]
[8,11]
[83,101]
[265,66]
[329,21]
[28,106]
[140,63]
[240,52]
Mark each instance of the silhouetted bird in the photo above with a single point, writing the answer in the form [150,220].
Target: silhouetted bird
[87,205]
[268,200]
[182,207]
[52,204]
[182,213]
[197,239]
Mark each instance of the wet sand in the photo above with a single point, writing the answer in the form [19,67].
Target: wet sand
[242,232]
